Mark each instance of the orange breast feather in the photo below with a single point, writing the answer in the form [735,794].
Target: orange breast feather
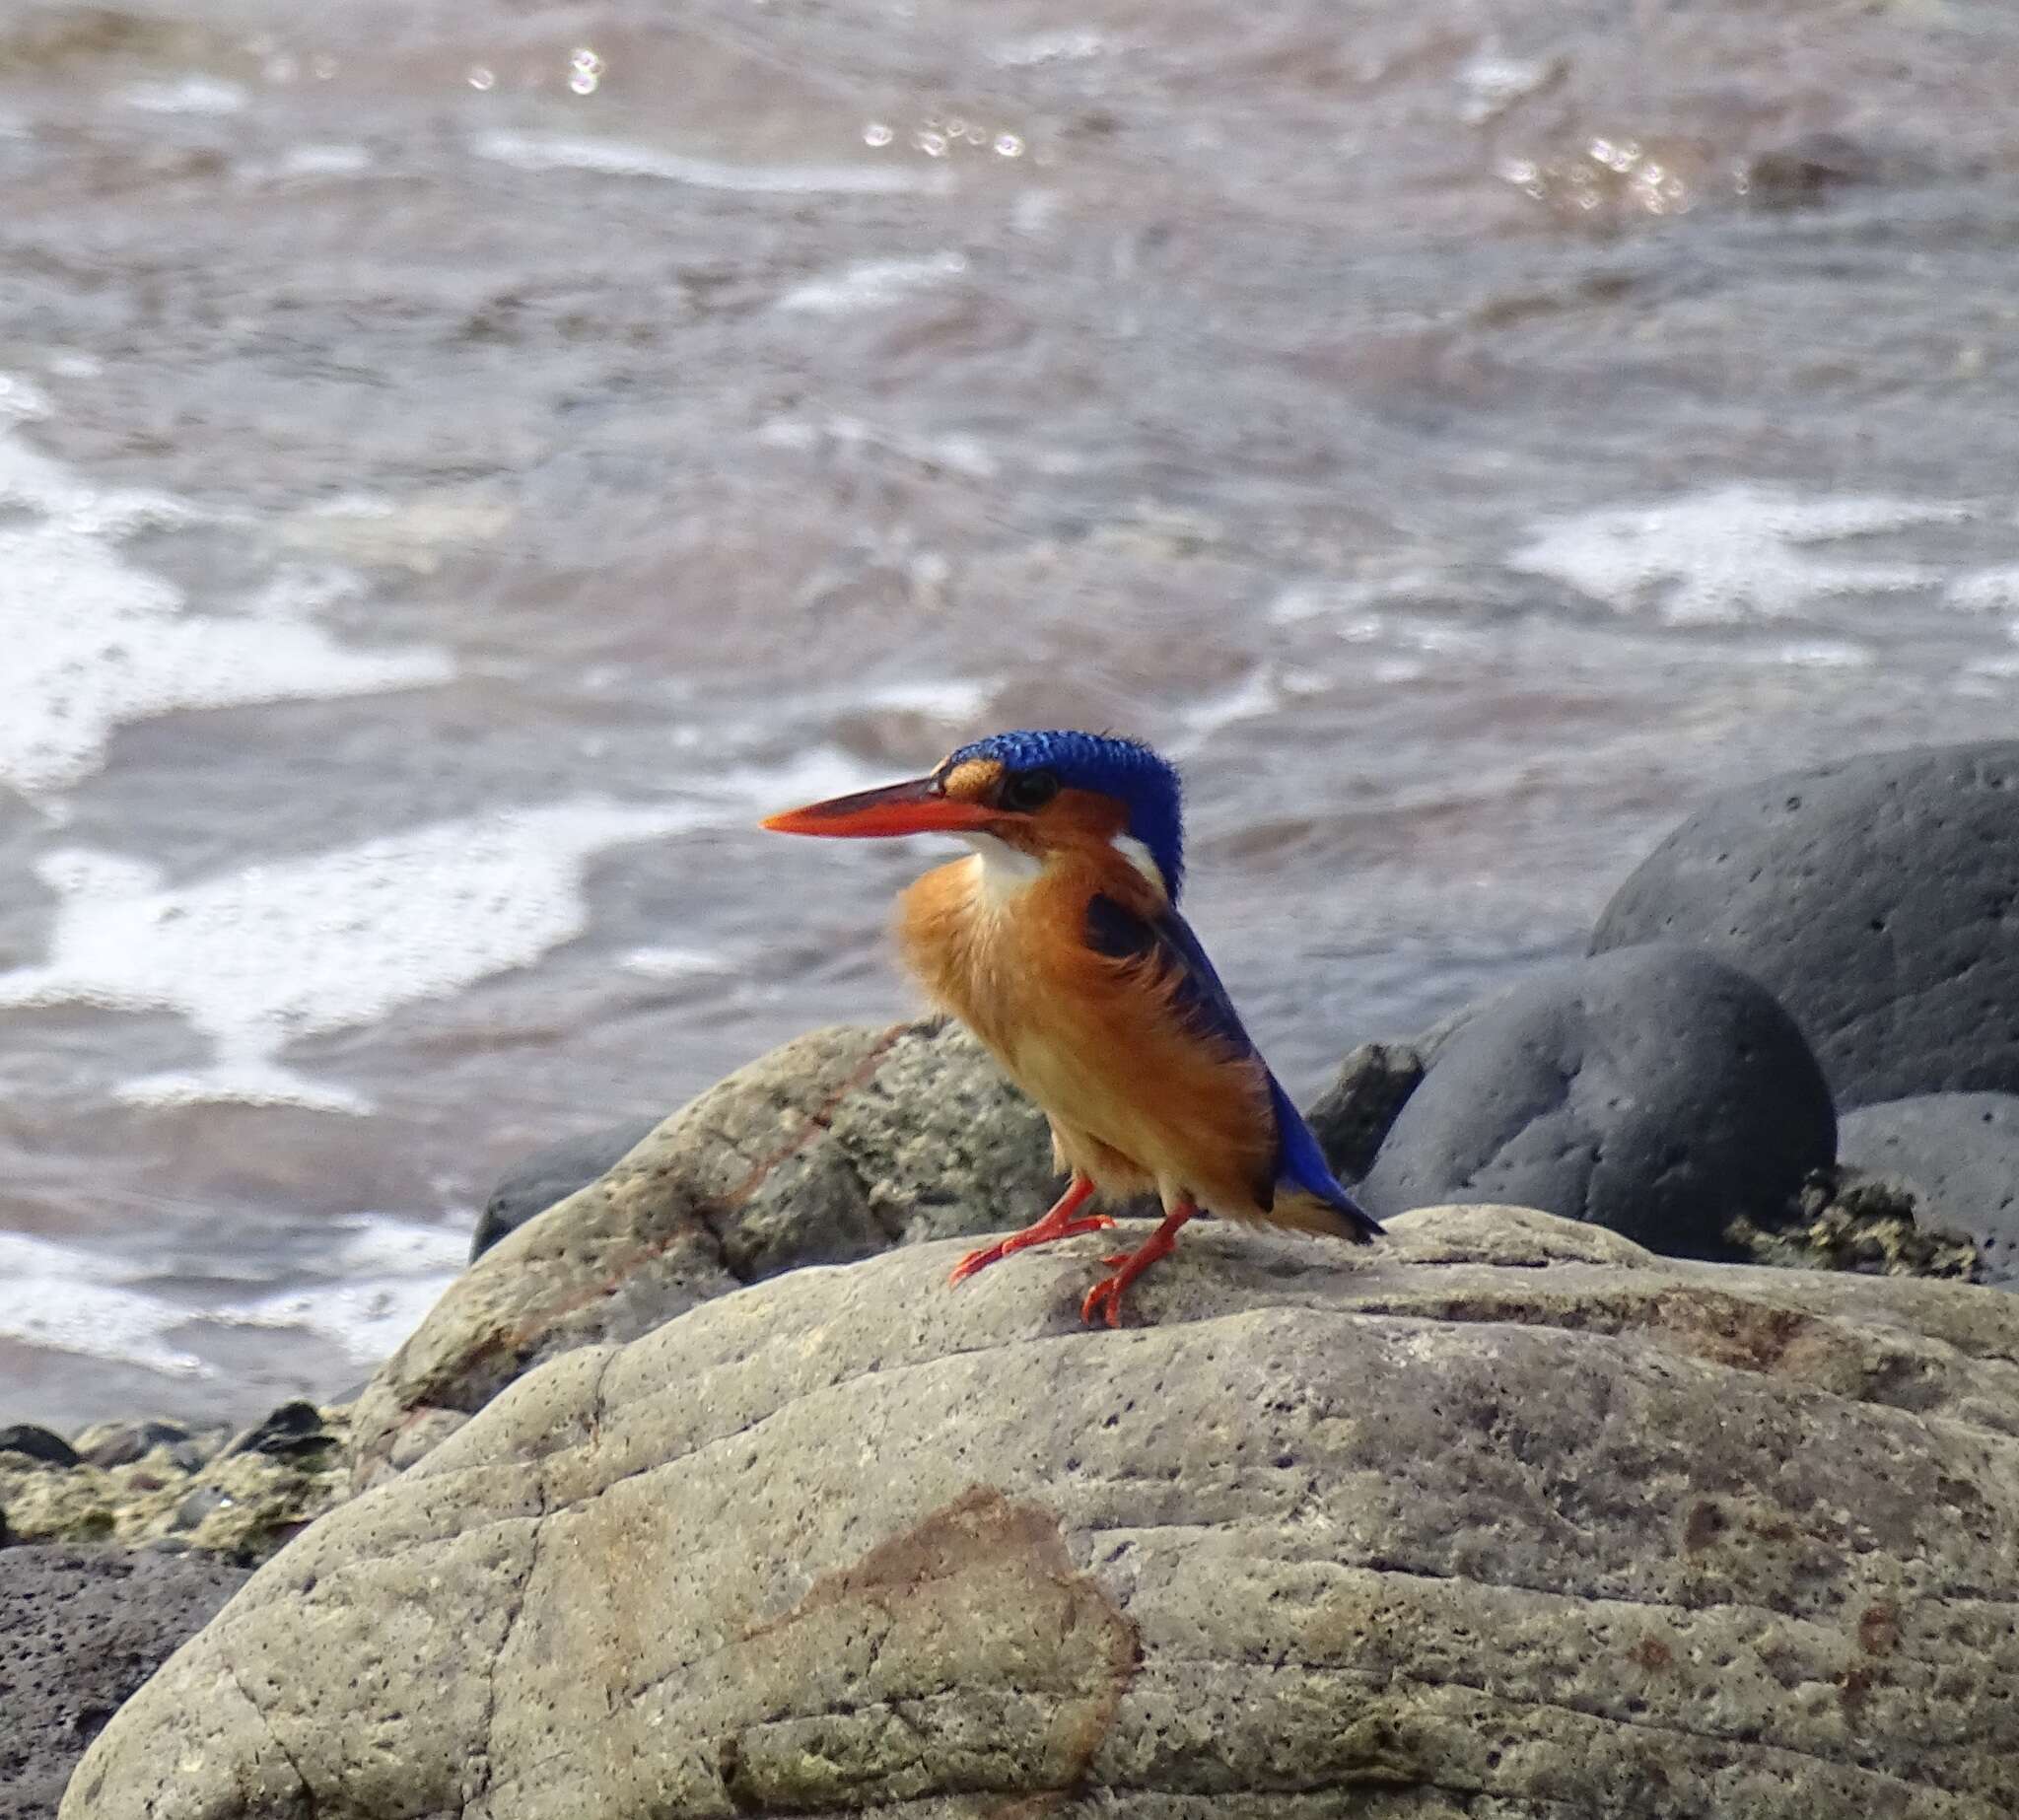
[1137,1097]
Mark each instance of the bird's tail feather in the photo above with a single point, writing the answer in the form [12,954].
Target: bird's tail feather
[1302,1211]
[1308,1196]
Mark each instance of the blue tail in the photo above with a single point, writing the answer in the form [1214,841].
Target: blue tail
[1301,1164]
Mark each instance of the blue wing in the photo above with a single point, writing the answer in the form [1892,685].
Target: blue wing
[1166,942]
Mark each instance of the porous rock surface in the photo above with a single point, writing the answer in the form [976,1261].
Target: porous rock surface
[1877,898]
[1502,1517]
[1960,1154]
[80,1629]
[832,1148]
[1656,1091]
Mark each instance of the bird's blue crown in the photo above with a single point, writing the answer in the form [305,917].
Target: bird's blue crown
[1144,782]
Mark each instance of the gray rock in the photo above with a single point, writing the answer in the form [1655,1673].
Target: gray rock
[833,1148]
[553,1174]
[1502,1517]
[1654,1090]
[1351,1117]
[1876,898]
[1960,1154]
[80,1629]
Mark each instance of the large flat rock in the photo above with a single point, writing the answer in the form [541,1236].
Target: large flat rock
[1503,1516]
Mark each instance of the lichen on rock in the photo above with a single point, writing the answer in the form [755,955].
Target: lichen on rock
[242,1501]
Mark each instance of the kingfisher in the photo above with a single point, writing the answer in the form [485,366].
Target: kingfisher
[1060,945]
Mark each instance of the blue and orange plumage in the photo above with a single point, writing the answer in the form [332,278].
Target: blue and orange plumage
[1060,945]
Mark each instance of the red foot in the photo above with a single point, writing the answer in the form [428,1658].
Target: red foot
[1107,1292]
[1058,1223]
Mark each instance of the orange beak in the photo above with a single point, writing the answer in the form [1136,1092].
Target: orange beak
[915,807]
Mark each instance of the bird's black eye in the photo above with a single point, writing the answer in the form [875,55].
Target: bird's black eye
[1025,791]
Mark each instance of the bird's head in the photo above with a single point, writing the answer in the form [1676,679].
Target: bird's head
[1040,793]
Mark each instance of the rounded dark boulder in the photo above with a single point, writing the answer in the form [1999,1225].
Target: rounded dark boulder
[1656,1090]
[1877,898]
[553,1174]
[1960,1154]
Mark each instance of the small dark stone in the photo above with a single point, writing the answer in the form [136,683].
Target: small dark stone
[80,1629]
[120,1444]
[204,1502]
[1656,1091]
[551,1176]
[1804,170]
[1352,1115]
[1877,898]
[37,1443]
[1960,1154]
[292,1430]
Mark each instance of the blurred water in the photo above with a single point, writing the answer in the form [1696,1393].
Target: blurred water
[459,465]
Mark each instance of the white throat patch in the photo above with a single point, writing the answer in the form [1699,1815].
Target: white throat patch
[1006,870]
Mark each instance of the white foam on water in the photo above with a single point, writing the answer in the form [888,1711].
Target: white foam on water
[92,642]
[1985,590]
[258,957]
[614,158]
[367,1319]
[871,283]
[759,789]
[1822,654]
[1256,697]
[332,159]
[1067,45]
[1492,82]
[942,698]
[1728,556]
[67,1300]
[958,453]
[1353,605]
[673,963]
[381,1276]
[385,1273]
[206,95]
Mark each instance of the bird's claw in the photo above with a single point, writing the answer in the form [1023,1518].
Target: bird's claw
[1040,1235]
[1107,1290]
